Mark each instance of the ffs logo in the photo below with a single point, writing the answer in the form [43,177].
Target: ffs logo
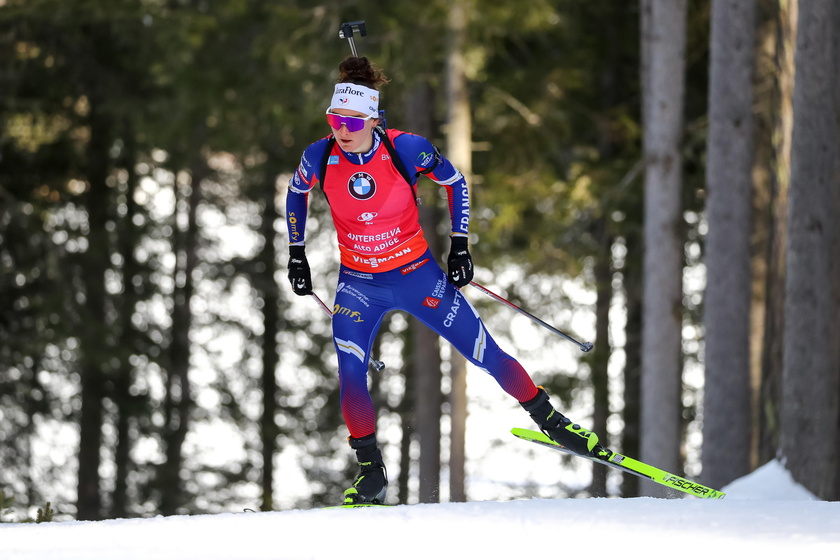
[361,186]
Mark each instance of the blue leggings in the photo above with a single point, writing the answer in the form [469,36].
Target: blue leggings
[421,289]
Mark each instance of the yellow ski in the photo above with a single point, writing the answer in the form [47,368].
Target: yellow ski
[627,464]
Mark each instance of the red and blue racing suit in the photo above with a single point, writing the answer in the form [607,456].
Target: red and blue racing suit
[386,263]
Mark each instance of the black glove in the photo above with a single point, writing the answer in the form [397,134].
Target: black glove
[299,273]
[460,262]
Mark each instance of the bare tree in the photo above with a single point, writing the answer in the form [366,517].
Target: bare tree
[273,323]
[178,402]
[810,399]
[425,344]
[726,309]
[663,85]
[459,149]
[771,357]
[93,318]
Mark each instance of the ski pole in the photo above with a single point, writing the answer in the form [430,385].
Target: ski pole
[376,364]
[346,32]
[584,346]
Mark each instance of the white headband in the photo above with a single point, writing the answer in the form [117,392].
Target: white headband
[356,98]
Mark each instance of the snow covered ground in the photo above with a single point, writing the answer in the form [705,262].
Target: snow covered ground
[748,523]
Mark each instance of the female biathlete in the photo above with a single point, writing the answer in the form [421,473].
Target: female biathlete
[369,175]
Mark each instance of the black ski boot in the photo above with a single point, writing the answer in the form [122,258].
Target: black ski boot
[561,429]
[372,483]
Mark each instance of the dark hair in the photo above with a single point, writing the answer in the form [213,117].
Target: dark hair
[358,70]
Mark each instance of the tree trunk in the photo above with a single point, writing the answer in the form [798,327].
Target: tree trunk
[771,359]
[425,358]
[612,91]
[764,82]
[663,86]
[601,356]
[129,238]
[426,366]
[179,394]
[268,290]
[726,305]
[93,316]
[631,434]
[810,406]
[406,415]
[459,152]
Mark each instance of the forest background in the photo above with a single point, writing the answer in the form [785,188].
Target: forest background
[647,174]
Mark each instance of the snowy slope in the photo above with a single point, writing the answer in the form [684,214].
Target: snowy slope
[748,523]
